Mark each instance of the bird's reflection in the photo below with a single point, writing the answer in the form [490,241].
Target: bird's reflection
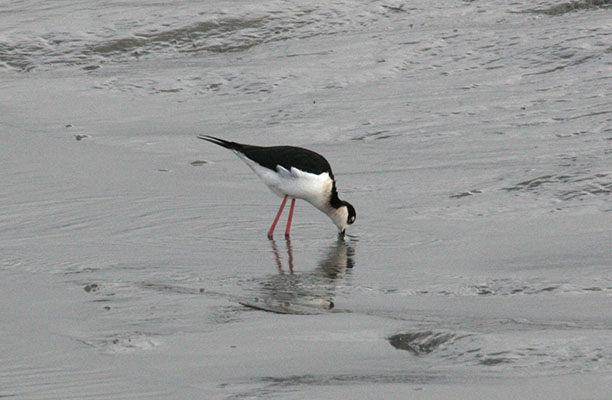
[277,257]
[337,259]
[290,292]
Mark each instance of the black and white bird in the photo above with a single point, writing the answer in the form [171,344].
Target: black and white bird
[297,173]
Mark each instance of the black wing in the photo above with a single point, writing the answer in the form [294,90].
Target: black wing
[285,156]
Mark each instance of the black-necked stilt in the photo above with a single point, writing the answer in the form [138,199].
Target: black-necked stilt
[297,173]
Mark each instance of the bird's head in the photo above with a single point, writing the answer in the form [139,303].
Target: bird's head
[343,216]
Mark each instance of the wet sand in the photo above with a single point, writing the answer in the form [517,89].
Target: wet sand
[236,354]
[155,307]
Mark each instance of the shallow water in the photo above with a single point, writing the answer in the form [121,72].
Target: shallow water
[474,140]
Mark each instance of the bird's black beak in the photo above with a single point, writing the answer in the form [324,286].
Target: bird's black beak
[341,234]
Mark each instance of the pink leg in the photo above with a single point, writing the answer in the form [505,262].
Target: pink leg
[288,229]
[280,211]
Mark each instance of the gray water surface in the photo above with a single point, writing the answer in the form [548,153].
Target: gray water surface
[473,138]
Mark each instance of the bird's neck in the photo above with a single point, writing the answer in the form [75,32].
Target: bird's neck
[334,200]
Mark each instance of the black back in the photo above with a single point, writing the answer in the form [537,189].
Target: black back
[285,156]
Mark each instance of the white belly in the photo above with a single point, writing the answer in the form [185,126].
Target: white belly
[313,188]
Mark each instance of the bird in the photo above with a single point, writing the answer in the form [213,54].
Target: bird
[296,173]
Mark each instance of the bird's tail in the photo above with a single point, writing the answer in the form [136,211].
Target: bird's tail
[221,142]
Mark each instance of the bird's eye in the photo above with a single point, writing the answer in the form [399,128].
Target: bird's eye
[351,220]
